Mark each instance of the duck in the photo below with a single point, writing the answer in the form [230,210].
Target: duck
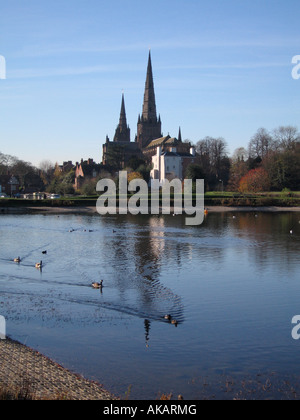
[291,232]
[17,260]
[98,285]
[168,317]
[39,265]
[174,322]
[44,252]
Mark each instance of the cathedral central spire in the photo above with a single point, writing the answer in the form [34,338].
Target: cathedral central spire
[149,107]
[149,127]
[123,119]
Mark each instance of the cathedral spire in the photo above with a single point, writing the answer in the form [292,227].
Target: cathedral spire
[149,107]
[123,119]
[179,135]
[123,130]
[149,127]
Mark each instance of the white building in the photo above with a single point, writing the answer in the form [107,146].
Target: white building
[168,165]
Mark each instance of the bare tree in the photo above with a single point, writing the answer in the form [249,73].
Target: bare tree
[46,171]
[21,169]
[214,160]
[261,144]
[213,150]
[6,162]
[240,155]
[286,138]
[46,166]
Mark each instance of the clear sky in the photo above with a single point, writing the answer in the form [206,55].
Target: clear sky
[221,68]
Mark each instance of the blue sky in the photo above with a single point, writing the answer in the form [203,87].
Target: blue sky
[221,68]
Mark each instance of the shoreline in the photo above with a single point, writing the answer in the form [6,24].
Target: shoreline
[24,370]
[92,210]
[27,374]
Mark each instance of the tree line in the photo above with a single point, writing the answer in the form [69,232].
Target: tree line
[27,174]
[270,163]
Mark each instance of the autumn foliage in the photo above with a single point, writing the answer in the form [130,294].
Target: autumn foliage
[134,175]
[256,180]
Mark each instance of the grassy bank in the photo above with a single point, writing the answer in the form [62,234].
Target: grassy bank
[226,199]
[276,199]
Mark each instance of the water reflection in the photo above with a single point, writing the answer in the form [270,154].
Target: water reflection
[139,250]
[147,324]
[269,239]
[221,281]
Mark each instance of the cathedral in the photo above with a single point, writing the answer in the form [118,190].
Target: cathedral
[121,150]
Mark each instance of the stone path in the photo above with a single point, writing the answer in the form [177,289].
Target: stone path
[22,367]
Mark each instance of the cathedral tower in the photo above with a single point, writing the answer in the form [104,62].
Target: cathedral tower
[149,126]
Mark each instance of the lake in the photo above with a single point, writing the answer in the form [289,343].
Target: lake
[232,284]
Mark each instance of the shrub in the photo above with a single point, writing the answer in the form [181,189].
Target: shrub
[256,180]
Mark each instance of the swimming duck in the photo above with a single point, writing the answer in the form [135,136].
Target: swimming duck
[168,317]
[17,260]
[39,265]
[174,322]
[98,285]
[44,252]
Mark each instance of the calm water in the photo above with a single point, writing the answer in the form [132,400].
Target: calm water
[233,284]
